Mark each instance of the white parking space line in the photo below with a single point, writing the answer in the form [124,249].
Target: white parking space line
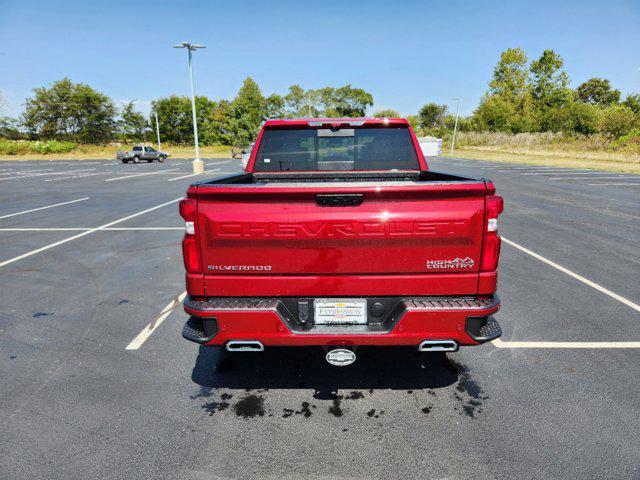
[45,207]
[84,229]
[193,174]
[583,178]
[565,172]
[83,234]
[140,175]
[77,176]
[218,163]
[48,173]
[576,345]
[580,278]
[146,332]
[612,183]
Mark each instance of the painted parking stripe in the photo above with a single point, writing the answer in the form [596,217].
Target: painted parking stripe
[575,345]
[49,173]
[83,234]
[580,278]
[566,172]
[218,163]
[140,175]
[615,183]
[193,174]
[146,332]
[77,176]
[583,178]
[45,207]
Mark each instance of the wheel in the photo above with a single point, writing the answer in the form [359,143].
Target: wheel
[136,159]
[161,158]
[124,160]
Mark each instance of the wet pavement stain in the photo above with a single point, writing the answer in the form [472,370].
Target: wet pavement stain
[372,413]
[468,392]
[287,412]
[354,396]
[335,409]
[213,407]
[41,314]
[426,410]
[249,406]
[123,301]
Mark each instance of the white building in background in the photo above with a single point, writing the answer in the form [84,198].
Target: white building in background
[431,146]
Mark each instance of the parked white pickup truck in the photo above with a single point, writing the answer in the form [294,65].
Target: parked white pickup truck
[141,153]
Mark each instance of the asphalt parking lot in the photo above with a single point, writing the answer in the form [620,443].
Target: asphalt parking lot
[97,382]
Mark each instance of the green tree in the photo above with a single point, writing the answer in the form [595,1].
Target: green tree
[617,120]
[496,114]
[176,118]
[275,106]
[432,115]
[352,102]
[574,117]
[10,128]
[510,76]
[294,101]
[388,113]
[550,84]
[217,130]
[70,111]
[249,110]
[597,91]
[633,102]
[133,125]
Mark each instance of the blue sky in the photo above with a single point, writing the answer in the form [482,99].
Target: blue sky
[404,53]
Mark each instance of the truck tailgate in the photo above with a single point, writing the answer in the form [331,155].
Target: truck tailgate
[281,230]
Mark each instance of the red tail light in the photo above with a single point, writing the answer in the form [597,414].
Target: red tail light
[494,206]
[190,253]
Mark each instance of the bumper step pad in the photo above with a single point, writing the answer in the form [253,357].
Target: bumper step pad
[200,330]
[483,329]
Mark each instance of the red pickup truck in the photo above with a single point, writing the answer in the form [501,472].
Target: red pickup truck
[338,235]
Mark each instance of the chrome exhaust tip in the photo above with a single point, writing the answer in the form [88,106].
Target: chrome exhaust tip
[438,346]
[244,346]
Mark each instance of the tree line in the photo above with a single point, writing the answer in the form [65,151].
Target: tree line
[76,112]
[535,96]
[523,96]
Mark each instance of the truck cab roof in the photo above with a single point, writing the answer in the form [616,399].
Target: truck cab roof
[318,122]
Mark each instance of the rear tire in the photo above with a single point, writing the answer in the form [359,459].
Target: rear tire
[136,159]
[161,158]
[124,160]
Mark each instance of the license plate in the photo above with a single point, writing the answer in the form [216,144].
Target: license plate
[343,311]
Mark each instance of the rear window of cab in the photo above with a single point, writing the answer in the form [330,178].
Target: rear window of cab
[383,148]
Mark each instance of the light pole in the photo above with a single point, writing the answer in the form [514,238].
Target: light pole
[455,126]
[158,131]
[198,166]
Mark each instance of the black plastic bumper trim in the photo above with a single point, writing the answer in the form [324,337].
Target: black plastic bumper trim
[483,329]
[200,330]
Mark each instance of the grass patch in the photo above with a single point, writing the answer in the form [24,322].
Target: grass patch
[593,152]
[564,159]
